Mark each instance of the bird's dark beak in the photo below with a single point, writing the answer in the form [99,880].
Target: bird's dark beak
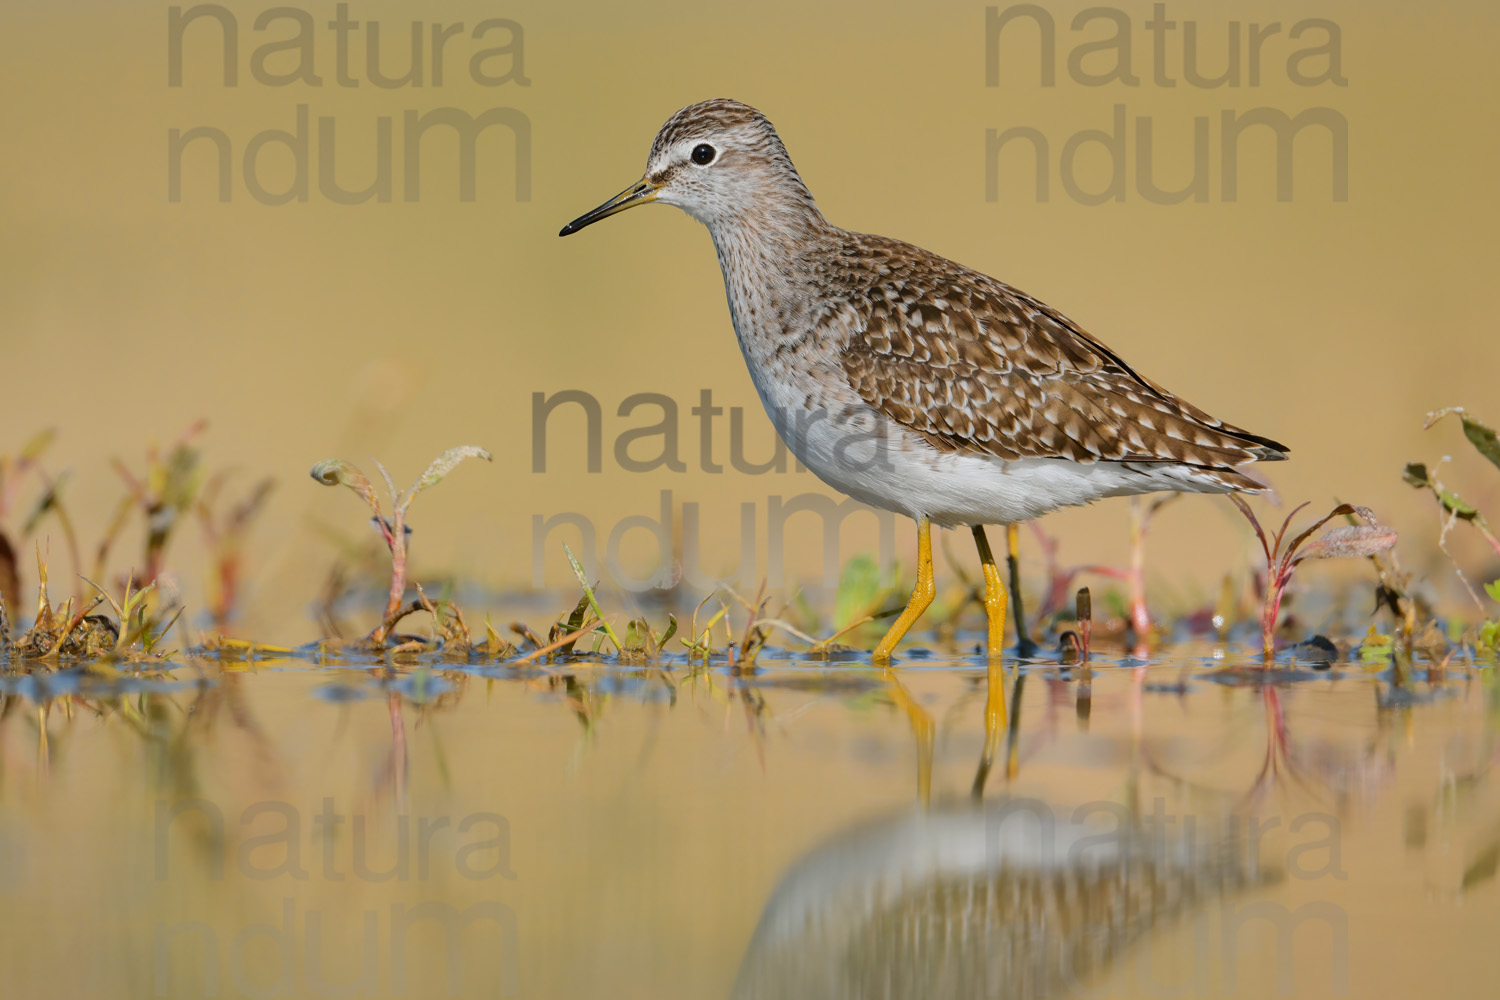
[639,193]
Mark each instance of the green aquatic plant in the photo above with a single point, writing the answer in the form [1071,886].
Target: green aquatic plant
[1284,555]
[59,631]
[643,642]
[62,631]
[589,600]
[393,530]
[699,642]
[135,625]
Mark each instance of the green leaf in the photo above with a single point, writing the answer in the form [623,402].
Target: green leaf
[1483,438]
[1493,589]
[588,593]
[1416,474]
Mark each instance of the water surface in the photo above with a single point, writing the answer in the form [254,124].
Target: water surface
[288,828]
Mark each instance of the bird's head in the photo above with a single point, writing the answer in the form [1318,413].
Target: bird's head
[721,162]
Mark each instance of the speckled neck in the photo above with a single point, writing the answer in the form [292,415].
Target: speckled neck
[768,258]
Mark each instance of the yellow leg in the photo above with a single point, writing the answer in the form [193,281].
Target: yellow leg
[995,599]
[995,717]
[922,727]
[921,595]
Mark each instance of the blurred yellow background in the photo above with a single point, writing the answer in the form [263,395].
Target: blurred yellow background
[312,329]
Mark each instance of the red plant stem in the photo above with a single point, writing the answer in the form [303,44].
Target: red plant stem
[398,578]
[395,540]
[1275,590]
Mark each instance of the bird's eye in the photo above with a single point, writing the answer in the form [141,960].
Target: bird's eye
[703,154]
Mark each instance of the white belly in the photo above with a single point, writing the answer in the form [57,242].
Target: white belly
[859,452]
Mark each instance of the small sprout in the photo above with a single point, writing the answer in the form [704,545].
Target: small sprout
[1283,556]
[336,472]
[130,607]
[643,643]
[700,643]
[757,630]
[588,592]
[1085,609]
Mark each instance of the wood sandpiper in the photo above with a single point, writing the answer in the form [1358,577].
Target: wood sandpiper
[912,383]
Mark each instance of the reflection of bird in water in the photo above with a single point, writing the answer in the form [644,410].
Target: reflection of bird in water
[1003,900]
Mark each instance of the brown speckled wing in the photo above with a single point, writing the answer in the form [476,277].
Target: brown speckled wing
[974,365]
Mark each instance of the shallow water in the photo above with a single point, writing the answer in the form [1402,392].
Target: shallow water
[284,828]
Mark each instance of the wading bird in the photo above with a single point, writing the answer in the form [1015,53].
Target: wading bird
[912,383]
